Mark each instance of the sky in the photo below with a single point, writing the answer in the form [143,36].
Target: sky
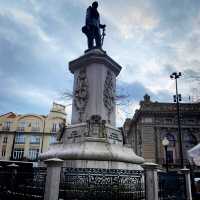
[150,39]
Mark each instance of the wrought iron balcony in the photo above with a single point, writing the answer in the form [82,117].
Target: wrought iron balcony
[176,163]
[5,128]
[53,130]
[21,129]
[35,129]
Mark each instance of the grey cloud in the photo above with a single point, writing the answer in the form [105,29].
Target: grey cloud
[30,60]
[135,91]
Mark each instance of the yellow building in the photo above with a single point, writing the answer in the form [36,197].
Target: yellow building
[23,137]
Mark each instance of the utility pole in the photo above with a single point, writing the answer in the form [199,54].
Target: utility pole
[177,99]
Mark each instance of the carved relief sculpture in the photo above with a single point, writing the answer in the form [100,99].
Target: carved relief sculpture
[109,93]
[96,127]
[81,93]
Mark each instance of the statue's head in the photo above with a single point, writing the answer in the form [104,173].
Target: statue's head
[95,4]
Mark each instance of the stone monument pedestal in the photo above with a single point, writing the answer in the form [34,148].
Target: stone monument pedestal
[92,140]
[91,148]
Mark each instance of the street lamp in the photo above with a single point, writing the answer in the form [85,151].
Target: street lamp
[177,99]
[165,143]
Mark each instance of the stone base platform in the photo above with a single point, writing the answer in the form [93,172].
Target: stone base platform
[94,153]
[101,164]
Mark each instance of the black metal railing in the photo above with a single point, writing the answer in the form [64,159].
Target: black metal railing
[101,184]
[176,164]
[20,185]
[172,186]
[5,128]
[20,129]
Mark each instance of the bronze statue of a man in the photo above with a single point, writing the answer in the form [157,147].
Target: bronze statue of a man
[92,26]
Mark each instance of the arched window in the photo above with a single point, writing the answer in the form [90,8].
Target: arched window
[189,140]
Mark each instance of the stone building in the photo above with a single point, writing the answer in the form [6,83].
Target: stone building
[23,137]
[155,120]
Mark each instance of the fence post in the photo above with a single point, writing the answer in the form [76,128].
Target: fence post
[151,181]
[53,178]
[186,172]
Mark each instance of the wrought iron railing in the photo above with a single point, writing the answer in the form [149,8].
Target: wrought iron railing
[35,129]
[172,186]
[101,184]
[5,128]
[20,185]
[20,129]
[177,164]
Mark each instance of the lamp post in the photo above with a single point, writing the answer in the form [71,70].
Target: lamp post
[165,143]
[177,99]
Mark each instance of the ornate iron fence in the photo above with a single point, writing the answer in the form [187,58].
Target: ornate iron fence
[171,186]
[21,185]
[101,184]
[176,164]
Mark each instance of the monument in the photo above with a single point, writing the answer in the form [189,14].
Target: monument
[92,141]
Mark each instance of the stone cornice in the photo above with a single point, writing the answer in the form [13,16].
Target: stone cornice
[94,56]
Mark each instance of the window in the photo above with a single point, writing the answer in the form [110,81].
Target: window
[3,153]
[20,138]
[53,139]
[22,124]
[18,154]
[170,156]
[35,125]
[171,149]
[5,140]
[189,140]
[147,120]
[35,139]
[6,125]
[33,154]
[168,120]
[54,127]
[191,121]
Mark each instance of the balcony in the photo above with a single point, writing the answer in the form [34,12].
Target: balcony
[35,142]
[35,129]
[53,130]
[5,128]
[176,164]
[21,129]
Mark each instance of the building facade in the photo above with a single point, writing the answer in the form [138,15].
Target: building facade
[23,137]
[154,121]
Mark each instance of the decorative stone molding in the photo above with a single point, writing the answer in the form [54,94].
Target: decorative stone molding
[109,92]
[81,92]
[95,56]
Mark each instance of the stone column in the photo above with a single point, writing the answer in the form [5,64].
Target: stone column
[151,181]
[94,86]
[186,172]
[53,178]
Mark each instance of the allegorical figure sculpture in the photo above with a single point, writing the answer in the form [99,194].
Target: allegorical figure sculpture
[92,27]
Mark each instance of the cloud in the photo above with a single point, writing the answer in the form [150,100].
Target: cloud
[150,39]
[130,18]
